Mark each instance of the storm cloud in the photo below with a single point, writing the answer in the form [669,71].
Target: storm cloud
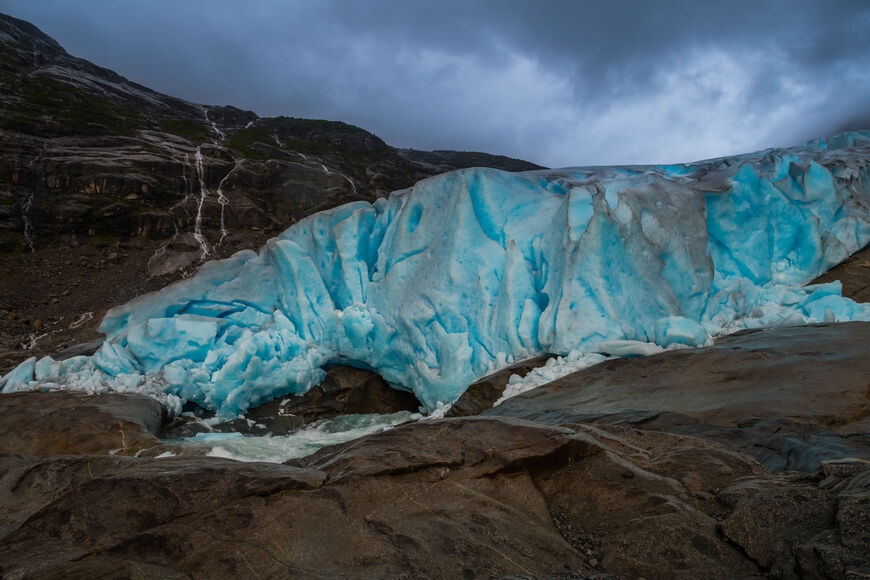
[555,82]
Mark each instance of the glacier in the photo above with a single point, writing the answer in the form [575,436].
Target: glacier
[464,273]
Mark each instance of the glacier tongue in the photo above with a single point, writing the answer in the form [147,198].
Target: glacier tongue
[462,274]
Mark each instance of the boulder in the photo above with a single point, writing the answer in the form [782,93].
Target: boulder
[54,423]
[481,395]
[854,274]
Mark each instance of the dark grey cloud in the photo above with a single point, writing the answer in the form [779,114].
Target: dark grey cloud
[557,82]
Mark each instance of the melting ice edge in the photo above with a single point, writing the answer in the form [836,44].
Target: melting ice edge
[458,276]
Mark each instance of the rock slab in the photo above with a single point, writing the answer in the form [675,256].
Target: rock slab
[624,488]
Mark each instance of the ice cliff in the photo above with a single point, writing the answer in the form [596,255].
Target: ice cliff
[438,285]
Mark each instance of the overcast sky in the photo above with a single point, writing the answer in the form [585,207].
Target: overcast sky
[555,82]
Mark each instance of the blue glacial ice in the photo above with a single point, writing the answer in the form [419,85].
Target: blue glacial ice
[458,276]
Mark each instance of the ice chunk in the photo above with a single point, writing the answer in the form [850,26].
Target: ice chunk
[629,348]
[679,330]
[20,377]
[559,367]
[438,285]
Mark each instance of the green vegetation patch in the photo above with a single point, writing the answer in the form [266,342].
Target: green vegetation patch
[243,141]
[42,95]
[193,131]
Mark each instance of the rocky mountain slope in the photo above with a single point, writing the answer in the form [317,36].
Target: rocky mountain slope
[109,189]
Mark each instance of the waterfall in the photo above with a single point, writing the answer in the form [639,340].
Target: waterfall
[223,200]
[203,193]
[221,135]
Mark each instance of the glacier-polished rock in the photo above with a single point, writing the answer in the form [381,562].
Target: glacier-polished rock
[439,285]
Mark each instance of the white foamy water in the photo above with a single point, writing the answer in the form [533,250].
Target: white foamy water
[277,449]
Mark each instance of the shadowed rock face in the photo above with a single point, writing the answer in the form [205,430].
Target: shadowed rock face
[790,397]
[664,484]
[482,394]
[854,274]
[344,391]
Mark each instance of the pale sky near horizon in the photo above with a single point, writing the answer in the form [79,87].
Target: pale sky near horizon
[556,82]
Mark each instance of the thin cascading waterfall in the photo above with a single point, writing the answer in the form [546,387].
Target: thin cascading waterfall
[223,200]
[350,181]
[203,193]
[184,160]
[186,166]
[221,135]
[27,204]
[328,172]
[194,179]
[28,225]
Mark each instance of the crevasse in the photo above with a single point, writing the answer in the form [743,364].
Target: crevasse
[441,284]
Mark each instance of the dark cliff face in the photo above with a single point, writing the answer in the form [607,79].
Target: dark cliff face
[84,151]
[109,189]
[442,160]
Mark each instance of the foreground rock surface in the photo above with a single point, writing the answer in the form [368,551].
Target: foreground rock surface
[62,423]
[790,397]
[751,466]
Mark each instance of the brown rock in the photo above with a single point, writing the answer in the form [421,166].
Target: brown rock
[490,446]
[790,397]
[481,395]
[813,373]
[854,274]
[441,498]
[77,423]
[455,497]
[801,527]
